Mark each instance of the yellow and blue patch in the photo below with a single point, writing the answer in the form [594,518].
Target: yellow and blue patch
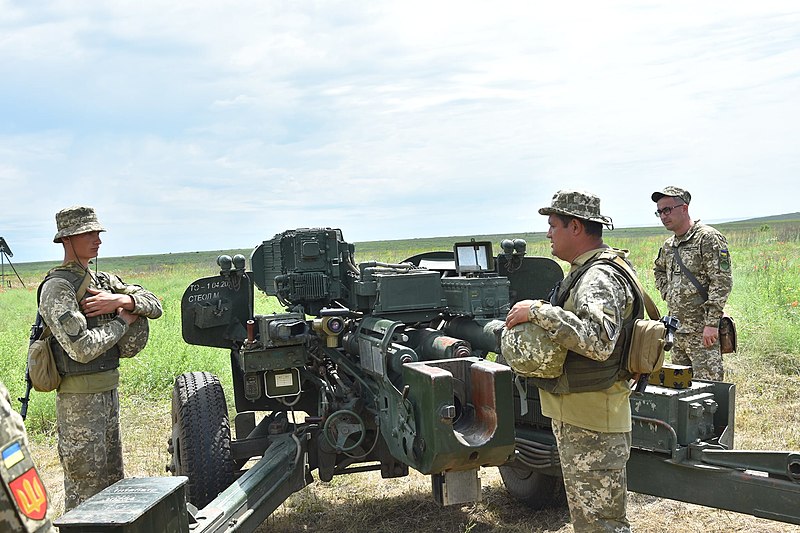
[724,259]
[12,455]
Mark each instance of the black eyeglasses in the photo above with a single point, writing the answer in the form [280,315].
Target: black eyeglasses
[666,211]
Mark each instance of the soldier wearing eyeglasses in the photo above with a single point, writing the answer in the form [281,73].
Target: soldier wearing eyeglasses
[693,274]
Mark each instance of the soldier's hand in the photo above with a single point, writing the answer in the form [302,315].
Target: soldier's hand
[518,313]
[127,316]
[104,303]
[710,336]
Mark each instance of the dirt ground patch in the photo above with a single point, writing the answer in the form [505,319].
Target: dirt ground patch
[365,502]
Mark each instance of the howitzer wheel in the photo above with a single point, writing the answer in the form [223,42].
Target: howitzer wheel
[537,490]
[201,436]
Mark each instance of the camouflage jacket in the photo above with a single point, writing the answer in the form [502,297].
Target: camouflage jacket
[60,310]
[23,498]
[590,324]
[591,318]
[704,252]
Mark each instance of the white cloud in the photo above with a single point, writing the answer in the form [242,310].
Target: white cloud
[202,126]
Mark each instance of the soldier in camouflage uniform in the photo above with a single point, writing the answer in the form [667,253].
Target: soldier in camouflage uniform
[91,336]
[590,314]
[704,253]
[23,498]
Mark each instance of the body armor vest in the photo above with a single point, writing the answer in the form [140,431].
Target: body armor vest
[582,374]
[66,365]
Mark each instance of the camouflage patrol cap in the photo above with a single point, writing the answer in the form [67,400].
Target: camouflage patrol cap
[76,220]
[579,204]
[529,351]
[677,192]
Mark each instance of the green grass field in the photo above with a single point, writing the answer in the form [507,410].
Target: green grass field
[766,369]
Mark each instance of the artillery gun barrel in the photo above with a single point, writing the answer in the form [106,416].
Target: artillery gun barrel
[482,334]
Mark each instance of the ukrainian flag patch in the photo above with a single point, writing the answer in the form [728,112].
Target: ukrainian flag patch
[724,260]
[12,455]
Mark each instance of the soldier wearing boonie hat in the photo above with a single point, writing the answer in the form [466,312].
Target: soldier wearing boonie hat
[579,204]
[95,320]
[591,311]
[76,220]
[697,286]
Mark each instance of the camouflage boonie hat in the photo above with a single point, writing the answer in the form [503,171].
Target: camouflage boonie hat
[530,353]
[76,220]
[677,192]
[579,204]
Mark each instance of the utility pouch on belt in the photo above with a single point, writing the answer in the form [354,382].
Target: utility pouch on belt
[727,334]
[42,365]
[646,353]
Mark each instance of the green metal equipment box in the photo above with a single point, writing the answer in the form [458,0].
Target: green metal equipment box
[132,505]
[477,297]
[667,415]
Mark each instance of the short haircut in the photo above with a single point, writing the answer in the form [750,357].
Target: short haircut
[593,229]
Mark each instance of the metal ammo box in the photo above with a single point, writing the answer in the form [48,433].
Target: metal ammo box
[133,505]
[669,414]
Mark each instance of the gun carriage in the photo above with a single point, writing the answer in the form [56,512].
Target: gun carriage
[386,367]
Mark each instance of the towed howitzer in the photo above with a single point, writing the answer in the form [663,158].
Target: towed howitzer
[378,366]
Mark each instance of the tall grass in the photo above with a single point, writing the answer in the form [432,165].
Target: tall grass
[764,303]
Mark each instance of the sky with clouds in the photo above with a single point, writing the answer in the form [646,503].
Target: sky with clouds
[193,125]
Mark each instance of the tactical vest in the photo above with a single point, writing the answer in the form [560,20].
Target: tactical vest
[582,374]
[66,365]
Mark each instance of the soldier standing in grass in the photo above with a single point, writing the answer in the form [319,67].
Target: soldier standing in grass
[93,331]
[693,274]
[591,314]
[23,498]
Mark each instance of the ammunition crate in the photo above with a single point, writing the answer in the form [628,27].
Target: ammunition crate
[132,505]
[690,412]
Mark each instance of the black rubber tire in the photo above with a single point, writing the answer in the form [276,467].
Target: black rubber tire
[536,490]
[201,436]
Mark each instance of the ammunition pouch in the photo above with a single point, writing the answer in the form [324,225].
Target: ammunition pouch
[727,334]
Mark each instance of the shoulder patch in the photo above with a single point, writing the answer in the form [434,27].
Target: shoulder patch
[610,327]
[73,324]
[12,454]
[30,495]
[724,259]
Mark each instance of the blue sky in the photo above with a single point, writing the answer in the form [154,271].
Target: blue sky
[210,125]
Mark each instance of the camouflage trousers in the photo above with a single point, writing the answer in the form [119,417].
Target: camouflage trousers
[688,350]
[593,465]
[89,443]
